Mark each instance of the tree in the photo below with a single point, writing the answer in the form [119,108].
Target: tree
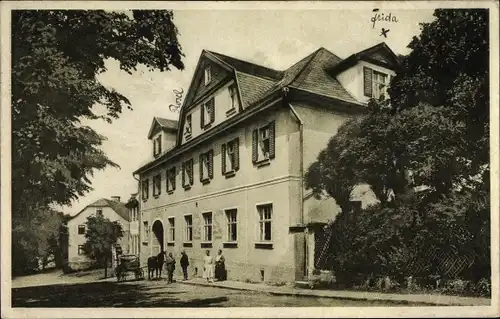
[101,234]
[57,56]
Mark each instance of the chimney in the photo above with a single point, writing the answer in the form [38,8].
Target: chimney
[115,198]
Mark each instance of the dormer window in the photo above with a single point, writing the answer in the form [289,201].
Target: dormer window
[208,75]
[233,99]
[375,83]
[157,146]
[207,113]
[188,127]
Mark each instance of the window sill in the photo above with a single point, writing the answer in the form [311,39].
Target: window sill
[207,126]
[264,245]
[144,199]
[230,174]
[230,244]
[188,137]
[186,187]
[156,196]
[231,112]
[207,244]
[205,181]
[170,243]
[263,162]
[187,244]
[144,242]
[170,192]
[156,155]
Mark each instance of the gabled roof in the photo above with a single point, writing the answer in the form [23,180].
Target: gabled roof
[163,124]
[118,207]
[372,54]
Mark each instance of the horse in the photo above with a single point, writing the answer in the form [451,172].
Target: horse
[155,263]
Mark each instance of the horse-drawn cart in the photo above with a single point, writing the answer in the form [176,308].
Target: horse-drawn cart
[128,264]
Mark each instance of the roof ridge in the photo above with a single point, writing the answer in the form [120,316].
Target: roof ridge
[244,61]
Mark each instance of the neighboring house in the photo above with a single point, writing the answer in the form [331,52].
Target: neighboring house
[231,175]
[134,239]
[112,209]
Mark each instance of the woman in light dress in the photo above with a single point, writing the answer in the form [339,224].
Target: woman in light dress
[208,267]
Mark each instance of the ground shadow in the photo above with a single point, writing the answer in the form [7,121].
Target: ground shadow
[105,294]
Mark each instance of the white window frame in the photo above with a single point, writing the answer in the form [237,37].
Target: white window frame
[379,87]
[171,229]
[208,111]
[205,161]
[261,139]
[145,189]
[207,75]
[233,97]
[171,176]
[188,228]
[230,155]
[157,185]
[230,223]
[262,220]
[84,229]
[208,228]
[98,211]
[188,130]
[80,250]
[188,165]
[145,225]
[157,145]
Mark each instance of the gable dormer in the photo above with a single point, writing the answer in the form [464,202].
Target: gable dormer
[213,97]
[162,135]
[367,74]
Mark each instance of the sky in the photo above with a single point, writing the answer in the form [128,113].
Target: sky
[273,38]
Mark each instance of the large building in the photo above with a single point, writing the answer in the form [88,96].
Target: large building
[112,209]
[229,175]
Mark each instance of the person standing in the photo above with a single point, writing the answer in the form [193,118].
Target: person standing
[220,267]
[184,264]
[170,262]
[208,267]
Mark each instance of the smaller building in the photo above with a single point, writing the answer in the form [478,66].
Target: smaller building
[112,209]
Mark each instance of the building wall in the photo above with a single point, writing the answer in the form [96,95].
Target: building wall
[277,183]
[74,239]
[352,79]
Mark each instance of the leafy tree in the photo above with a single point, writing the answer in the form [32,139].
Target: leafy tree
[101,234]
[57,56]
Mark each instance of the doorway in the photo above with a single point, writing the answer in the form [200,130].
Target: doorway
[158,238]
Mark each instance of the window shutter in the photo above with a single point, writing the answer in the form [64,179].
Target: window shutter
[167,178]
[367,81]
[201,167]
[236,154]
[254,146]
[183,172]
[191,172]
[211,163]
[174,172]
[212,109]
[272,140]
[202,119]
[223,158]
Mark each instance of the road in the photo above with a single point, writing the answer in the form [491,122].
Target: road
[160,294]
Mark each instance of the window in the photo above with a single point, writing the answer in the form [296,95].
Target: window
[232,225]
[230,157]
[188,219]
[206,166]
[263,145]
[187,173]
[81,229]
[208,75]
[265,214]
[171,179]
[146,232]
[207,226]
[145,189]
[99,212]
[207,113]
[81,251]
[188,126]
[157,145]
[375,83]
[233,98]
[171,229]
[157,185]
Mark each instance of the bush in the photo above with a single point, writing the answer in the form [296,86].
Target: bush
[482,288]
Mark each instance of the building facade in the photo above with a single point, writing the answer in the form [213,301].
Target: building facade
[112,209]
[230,175]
